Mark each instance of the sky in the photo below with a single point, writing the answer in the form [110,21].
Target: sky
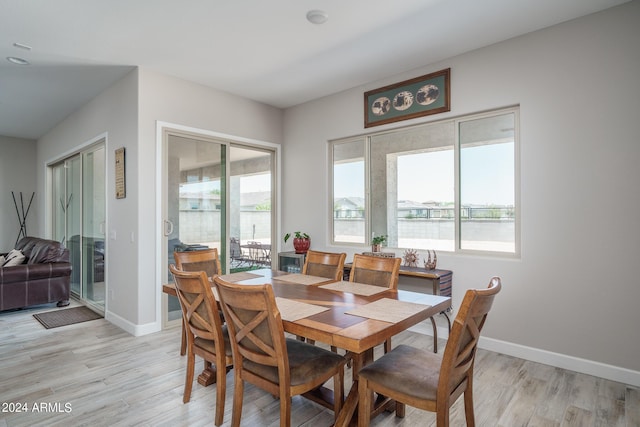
[487,176]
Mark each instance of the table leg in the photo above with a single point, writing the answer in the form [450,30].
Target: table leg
[435,334]
[207,377]
[349,407]
[448,319]
[351,403]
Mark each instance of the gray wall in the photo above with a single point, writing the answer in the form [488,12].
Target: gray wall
[127,114]
[17,174]
[572,294]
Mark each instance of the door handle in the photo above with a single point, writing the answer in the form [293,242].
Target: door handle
[168,227]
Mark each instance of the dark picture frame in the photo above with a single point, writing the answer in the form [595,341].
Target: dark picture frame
[417,97]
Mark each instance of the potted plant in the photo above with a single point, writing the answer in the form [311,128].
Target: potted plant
[377,242]
[301,241]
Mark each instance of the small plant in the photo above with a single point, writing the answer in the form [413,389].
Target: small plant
[297,235]
[379,240]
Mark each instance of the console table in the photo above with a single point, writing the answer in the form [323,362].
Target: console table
[440,279]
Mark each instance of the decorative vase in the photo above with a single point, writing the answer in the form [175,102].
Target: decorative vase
[376,248]
[301,245]
[431,264]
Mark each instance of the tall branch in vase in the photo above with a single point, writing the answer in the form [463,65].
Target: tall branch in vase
[22,214]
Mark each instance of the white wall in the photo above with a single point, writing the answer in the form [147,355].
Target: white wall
[571,296]
[17,174]
[573,293]
[167,99]
[127,113]
[112,114]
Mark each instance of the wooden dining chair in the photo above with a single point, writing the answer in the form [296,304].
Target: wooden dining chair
[265,358]
[324,264]
[376,271]
[206,336]
[206,260]
[428,381]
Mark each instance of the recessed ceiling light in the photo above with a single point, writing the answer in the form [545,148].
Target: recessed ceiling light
[22,46]
[317,16]
[17,61]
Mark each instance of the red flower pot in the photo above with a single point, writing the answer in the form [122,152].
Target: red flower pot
[301,245]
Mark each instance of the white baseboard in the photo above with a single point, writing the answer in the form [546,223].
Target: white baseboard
[135,330]
[576,364]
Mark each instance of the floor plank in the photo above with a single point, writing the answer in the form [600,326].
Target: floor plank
[107,377]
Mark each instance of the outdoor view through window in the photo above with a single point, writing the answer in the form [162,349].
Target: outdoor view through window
[448,185]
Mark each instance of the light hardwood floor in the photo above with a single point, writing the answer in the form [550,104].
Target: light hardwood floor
[95,374]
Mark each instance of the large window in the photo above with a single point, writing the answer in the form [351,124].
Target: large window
[349,192]
[448,185]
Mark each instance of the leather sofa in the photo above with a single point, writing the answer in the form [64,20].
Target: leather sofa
[44,276]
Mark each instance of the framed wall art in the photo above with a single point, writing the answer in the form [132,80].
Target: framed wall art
[121,186]
[417,97]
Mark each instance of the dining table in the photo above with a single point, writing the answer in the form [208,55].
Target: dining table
[350,316]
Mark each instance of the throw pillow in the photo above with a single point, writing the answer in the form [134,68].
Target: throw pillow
[2,260]
[15,257]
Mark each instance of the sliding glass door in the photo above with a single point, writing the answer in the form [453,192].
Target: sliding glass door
[93,226]
[251,217]
[195,211]
[79,206]
[217,193]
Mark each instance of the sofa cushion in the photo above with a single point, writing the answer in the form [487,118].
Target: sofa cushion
[15,257]
[46,251]
[38,250]
[26,244]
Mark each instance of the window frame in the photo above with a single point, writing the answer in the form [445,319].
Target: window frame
[366,139]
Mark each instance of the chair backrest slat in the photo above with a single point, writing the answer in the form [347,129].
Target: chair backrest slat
[206,260]
[377,271]
[324,264]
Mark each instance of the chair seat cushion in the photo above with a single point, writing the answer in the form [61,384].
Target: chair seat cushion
[408,370]
[209,345]
[306,362]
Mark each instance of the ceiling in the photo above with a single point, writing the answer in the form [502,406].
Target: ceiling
[262,50]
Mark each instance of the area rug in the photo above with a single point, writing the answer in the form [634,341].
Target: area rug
[67,316]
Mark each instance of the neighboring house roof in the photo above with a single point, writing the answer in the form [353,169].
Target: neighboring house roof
[249,201]
[410,204]
[350,202]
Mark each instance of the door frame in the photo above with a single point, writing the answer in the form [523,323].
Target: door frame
[91,144]
[163,130]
